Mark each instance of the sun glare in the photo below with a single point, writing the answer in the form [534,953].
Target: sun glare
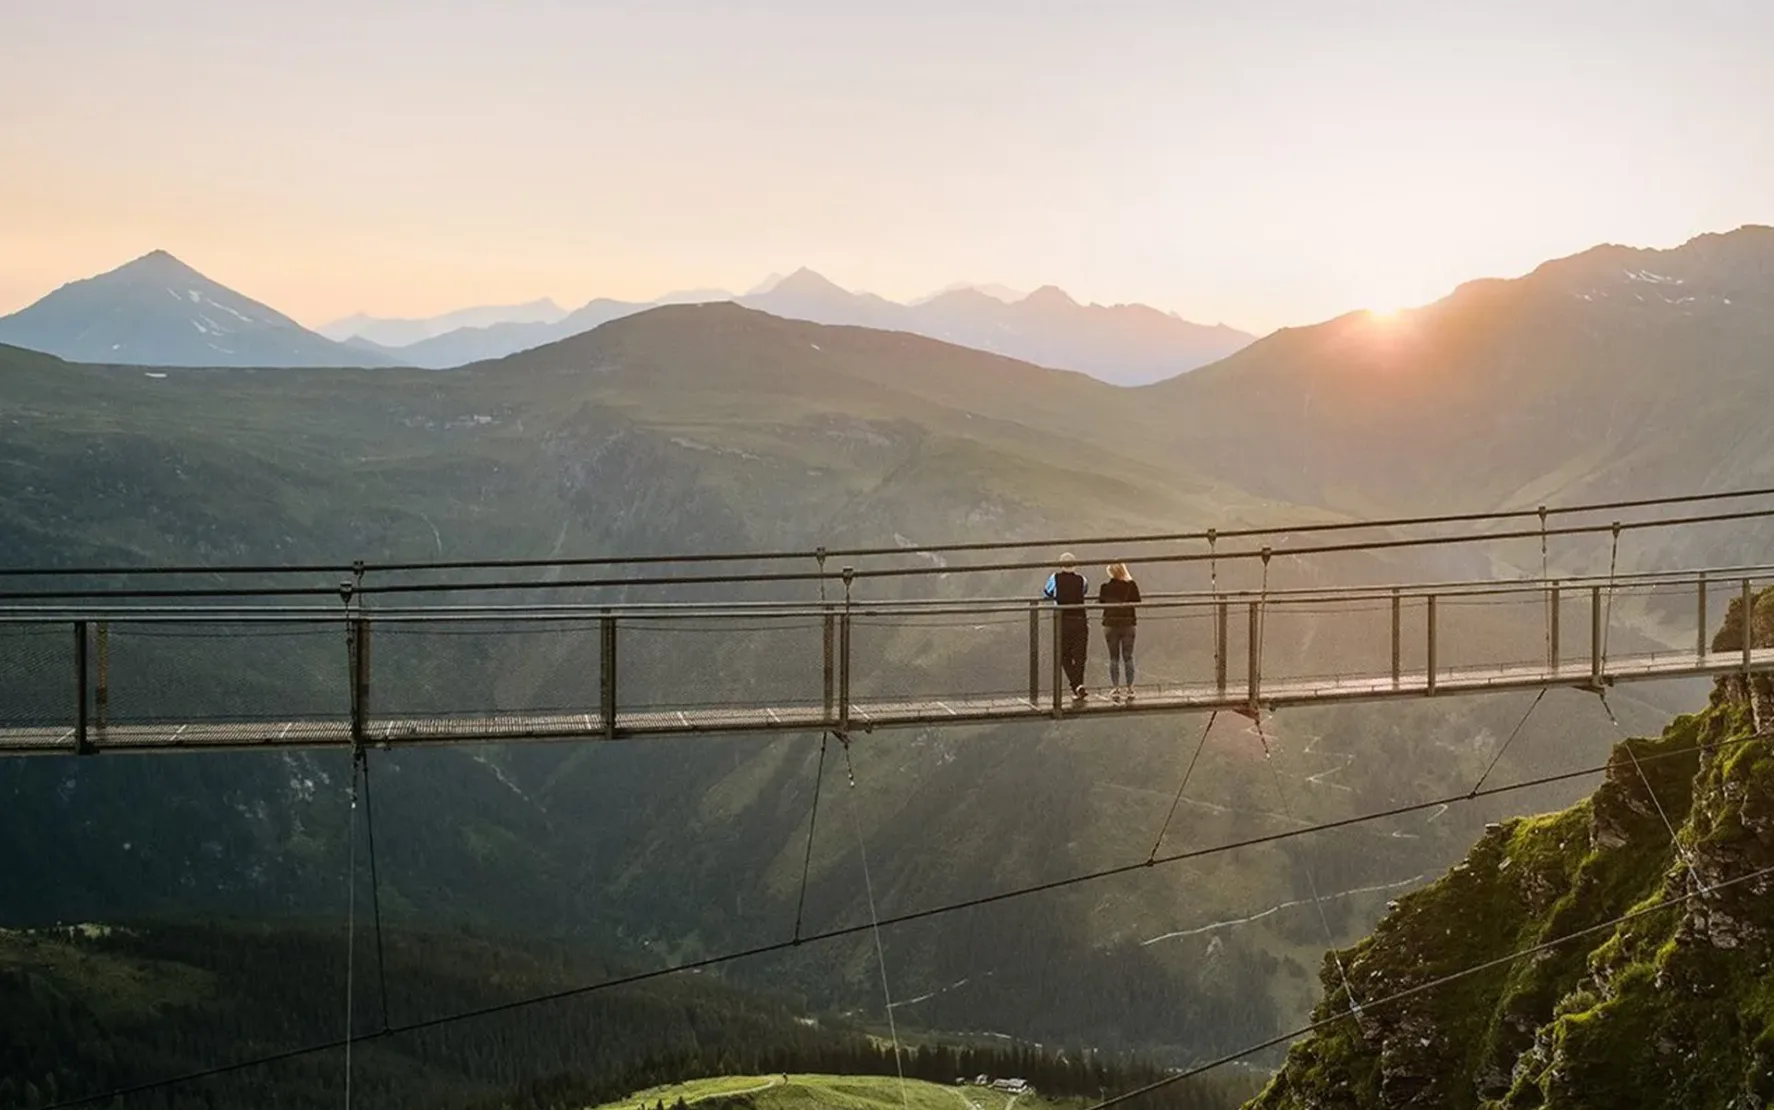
[1384,311]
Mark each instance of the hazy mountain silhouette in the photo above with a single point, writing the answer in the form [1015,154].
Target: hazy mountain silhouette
[157,311]
[390,332]
[1124,344]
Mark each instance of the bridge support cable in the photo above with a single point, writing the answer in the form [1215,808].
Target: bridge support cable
[291,590]
[868,885]
[361,758]
[1330,941]
[350,929]
[842,932]
[1675,841]
[1498,758]
[1158,842]
[812,823]
[361,567]
[1437,983]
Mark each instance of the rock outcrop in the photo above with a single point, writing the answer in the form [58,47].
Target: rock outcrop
[1584,960]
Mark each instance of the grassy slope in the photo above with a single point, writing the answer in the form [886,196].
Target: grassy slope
[1670,1008]
[835,1092]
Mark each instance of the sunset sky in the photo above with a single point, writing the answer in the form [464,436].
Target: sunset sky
[1260,162]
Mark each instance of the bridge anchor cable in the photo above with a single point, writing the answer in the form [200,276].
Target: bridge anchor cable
[1675,841]
[1330,940]
[868,884]
[1157,843]
[350,927]
[812,823]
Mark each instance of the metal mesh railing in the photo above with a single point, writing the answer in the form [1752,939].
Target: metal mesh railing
[38,683]
[565,672]
[458,668]
[209,672]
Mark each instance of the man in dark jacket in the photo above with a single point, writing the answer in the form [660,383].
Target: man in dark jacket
[1067,589]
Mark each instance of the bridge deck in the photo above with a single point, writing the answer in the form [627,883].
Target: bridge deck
[864,715]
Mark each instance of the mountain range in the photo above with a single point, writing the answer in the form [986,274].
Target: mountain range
[157,311]
[719,427]
[385,332]
[1122,344]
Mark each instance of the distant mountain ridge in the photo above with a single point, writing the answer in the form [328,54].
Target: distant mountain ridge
[157,311]
[401,332]
[1121,344]
[1497,381]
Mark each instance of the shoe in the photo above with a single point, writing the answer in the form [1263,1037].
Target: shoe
[1078,693]
[1127,694]
[1115,695]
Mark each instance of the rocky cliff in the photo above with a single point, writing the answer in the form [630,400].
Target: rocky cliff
[1584,959]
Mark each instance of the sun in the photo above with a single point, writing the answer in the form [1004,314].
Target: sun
[1385,311]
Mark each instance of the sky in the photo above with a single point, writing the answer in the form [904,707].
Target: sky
[1256,162]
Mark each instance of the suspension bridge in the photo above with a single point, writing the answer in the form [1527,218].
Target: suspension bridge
[123,666]
[166,679]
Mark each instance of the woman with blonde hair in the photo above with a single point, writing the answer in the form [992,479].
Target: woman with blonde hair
[1119,596]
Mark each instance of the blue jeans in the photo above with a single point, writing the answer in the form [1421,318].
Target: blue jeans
[1120,640]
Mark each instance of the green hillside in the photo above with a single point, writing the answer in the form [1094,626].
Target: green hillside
[1651,989]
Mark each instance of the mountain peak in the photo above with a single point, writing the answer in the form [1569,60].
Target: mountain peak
[1050,296]
[156,310]
[805,280]
[157,263]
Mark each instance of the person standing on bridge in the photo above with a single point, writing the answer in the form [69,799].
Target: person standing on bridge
[1067,589]
[1118,596]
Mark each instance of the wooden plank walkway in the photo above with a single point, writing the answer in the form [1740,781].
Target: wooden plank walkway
[865,716]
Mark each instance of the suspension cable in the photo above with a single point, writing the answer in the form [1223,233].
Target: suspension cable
[350,928]
[1519,725]
[812,822]
[362,758]
[868,884]
[1675,841]
[392,566]
[503,585]
[1157,842]
[1305,866]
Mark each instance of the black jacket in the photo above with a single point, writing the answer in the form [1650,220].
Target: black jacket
[1112,594]
[1069,590]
